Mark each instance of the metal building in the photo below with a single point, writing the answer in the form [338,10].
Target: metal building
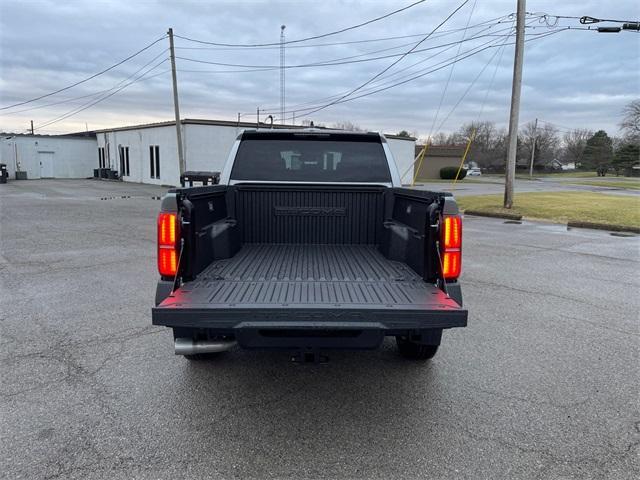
[148,153]
[48,156]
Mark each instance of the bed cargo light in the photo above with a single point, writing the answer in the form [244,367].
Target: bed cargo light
[451,242]
[168,235]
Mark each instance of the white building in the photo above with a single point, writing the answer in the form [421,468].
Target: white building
[49,156]
[148,153]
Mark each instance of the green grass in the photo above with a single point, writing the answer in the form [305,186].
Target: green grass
[563,207]
[617,183]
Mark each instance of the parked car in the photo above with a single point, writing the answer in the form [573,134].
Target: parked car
[474,172]
[309,243]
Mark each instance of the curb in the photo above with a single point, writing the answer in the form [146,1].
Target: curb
[507,216]
[603,226]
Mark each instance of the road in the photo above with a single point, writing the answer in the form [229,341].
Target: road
[485,185]
[543,383]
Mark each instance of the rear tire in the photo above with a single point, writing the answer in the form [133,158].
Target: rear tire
[415,351]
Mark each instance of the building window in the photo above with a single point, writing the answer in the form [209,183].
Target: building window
[154,161]
[124,161]
[101,160]
[157,161]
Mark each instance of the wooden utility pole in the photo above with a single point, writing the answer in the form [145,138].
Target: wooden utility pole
[510,173]
[31,127]
[176,106]
[533,147]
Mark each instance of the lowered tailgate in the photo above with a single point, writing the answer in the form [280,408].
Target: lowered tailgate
[310,286]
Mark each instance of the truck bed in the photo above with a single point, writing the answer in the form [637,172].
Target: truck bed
[283,284]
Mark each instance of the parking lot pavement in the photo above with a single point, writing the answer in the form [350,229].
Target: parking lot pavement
[543,383]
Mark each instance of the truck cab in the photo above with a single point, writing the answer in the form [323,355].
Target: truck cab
[308,244]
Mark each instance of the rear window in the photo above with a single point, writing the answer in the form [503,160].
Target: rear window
[300,158]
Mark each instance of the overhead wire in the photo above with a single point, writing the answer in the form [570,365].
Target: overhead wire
[95,94]
[453,65]
[104,97]
[537,36]
[300,40]
[390,75]
[249,68]
[84,80]
[332,62]
[441,33]
[446,61]
[473,82]
[395,62]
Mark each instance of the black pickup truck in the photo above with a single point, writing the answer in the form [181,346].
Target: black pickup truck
[309,243]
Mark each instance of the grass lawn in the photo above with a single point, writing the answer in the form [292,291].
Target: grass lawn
[563,207]
[617,183]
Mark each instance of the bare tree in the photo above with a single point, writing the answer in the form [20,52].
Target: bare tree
[546,138]
[631,122]
[574,143]
[442,138]
[347,125]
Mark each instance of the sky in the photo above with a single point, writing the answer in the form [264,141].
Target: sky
[572,78]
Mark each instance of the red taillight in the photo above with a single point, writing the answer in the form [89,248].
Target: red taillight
[168,235]
[451,243]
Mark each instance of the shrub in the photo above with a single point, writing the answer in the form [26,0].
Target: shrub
[449,173]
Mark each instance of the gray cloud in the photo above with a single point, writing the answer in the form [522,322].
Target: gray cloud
[573,78]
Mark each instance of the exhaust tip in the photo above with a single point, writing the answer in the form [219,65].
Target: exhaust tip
[187,346]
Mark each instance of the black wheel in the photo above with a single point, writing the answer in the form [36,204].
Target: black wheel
[201,356]
[415,351]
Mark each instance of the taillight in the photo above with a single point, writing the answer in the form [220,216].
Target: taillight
[168,236]
[451,246]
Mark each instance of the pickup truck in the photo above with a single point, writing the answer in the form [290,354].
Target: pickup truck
[308,243]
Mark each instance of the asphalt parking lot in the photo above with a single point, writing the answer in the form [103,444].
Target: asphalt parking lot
[543,383]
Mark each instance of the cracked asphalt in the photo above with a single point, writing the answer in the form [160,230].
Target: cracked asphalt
[543,383]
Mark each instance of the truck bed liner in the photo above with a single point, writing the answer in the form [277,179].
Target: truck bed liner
[281,281]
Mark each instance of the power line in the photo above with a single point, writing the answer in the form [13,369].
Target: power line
[442,33]
[372,88]
[446,85]
[397,72]
[395,62]
[315,37]
[90,104]
[495,54]
[88,78]
[95,94]
[472,53]
[335,61]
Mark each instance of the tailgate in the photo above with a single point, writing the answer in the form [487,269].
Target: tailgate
[309,286]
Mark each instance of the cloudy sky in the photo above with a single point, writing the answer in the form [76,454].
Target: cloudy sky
[572,78]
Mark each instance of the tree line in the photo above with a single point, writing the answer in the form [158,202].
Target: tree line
[584,148]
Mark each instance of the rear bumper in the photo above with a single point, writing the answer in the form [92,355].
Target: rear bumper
[330,328]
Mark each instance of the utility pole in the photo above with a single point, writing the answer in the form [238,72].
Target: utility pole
[510,173]
[176,106]
[282,27]
[31,127]
[257,116]
[533,147]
